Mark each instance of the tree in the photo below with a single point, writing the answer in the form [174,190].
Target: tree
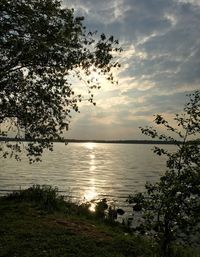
[43,48]
[170,209]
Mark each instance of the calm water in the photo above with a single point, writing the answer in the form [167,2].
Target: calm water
[88,170]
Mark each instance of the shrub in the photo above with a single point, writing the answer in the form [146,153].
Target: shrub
[45,196]
[170,208]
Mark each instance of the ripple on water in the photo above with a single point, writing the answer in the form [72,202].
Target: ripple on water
[109,170]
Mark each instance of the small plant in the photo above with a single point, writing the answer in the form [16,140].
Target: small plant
[112,213]
[100,208]
[170,208]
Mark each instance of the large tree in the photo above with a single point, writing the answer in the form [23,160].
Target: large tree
[43,48]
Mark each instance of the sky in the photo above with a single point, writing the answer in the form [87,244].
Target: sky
[160,64]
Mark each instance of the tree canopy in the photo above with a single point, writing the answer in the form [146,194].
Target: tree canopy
[43,47]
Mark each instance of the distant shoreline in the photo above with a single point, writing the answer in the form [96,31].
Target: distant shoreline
[128,141]
[119,141]
[95,141]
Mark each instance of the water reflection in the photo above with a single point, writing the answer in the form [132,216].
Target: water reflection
[90,145]
[92,167]
[91,194]
[92,156]
[92,162]
[89,170]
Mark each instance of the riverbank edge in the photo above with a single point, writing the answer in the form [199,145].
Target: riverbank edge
[29,229]
[37,222]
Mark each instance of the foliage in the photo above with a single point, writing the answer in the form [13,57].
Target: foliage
[170,208]
[46,197]
[100,208]
[44,49]
[26,231]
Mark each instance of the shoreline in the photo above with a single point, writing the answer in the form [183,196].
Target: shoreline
[10,139]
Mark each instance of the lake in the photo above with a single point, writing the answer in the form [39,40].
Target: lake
[87,171]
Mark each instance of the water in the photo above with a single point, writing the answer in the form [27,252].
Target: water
[88,170]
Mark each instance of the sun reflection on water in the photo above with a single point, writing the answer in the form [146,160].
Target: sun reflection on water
[92,207]
[92,162]
[92,156]
[91,195]
[90,145]
[92,167]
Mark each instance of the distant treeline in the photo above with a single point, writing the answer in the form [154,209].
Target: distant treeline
[6,139]
[120,141]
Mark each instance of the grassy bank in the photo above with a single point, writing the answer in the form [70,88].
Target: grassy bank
[38,222]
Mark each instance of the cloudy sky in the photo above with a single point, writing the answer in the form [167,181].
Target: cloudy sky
[160,64]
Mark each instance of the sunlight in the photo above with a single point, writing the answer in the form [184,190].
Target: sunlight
[92,162]
[89,195]
[92,167]
[95,75]
[90,145]
[92,207]
[92,156]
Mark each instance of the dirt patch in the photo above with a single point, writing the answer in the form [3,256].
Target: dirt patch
[82,228]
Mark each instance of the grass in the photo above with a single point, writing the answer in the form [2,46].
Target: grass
[38,222]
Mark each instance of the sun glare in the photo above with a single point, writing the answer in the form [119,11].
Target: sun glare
[90,195]
[90,145]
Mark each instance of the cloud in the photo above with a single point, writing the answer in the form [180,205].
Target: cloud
[160,61]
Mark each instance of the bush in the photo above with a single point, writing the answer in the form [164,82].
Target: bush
[45,196]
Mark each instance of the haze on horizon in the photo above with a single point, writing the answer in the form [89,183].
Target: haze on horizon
[160,64]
